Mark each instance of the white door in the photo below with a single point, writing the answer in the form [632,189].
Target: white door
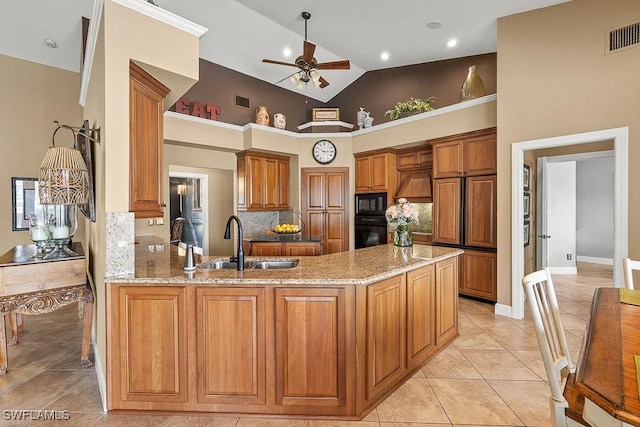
[557,228]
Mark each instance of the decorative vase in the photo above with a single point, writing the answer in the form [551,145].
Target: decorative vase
[279,121]
[402,236]
[472,86]
[262,116]
[368,121]
[360,117]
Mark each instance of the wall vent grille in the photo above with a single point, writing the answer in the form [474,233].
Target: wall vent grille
[242,102]
[623,38]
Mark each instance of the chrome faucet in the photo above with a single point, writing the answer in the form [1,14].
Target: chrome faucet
[239,258]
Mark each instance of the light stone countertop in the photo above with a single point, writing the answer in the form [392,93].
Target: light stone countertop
[158,262]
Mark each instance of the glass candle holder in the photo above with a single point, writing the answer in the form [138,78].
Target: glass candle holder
[63,225]
[39,233]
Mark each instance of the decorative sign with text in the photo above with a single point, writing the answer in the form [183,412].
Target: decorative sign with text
[198,109]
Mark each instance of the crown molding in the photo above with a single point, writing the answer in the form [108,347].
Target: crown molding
[165,16]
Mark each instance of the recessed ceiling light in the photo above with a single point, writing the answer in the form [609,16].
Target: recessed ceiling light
[50,43]
[434,25]
[384,56]
[286,52]
[452,43]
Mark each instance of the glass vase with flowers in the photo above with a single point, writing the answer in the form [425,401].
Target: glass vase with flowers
[401,216]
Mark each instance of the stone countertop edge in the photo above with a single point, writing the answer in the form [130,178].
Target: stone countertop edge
[159,262]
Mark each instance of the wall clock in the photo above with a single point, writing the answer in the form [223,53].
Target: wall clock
[324,152]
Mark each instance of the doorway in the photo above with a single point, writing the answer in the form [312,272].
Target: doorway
[620,137]
[188,199]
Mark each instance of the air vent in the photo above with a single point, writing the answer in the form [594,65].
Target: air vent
[242,102]
[623,38]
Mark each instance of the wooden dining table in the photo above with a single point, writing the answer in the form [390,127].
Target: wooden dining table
[606,377]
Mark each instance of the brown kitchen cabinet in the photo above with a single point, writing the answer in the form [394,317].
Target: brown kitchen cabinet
[146,95]
[481,205]
[479,274]
[263,181]
[446,211]
[421,315]
[230,345]
[376,172]
[324,210]
[469,154]
[414,158]
[285,249]
[446,299]
[149,341]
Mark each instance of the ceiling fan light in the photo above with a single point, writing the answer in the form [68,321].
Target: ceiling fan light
[295,78]
[315,77]
[300,85]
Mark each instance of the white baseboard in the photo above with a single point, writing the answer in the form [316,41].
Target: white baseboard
[563,270]
[101,375]
[594,260]
[503,310]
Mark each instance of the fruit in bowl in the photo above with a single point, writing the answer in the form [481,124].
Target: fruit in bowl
[286,228]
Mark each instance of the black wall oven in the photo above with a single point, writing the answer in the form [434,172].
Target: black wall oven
[369,223]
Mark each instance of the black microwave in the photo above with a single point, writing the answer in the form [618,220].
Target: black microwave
[371,204]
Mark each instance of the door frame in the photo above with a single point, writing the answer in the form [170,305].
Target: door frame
[620,137]
[204,202]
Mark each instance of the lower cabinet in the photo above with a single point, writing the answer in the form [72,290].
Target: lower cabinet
[285,249]
[314,350]
[479,274]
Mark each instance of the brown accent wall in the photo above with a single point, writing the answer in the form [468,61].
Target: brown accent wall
[376,91]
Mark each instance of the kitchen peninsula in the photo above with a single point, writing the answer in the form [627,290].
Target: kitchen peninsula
[330,337]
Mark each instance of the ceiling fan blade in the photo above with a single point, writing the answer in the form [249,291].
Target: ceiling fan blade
[271,61]
[307,52]
[323,82]
[334,65]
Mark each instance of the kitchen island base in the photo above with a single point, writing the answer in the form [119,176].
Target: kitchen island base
[312,350]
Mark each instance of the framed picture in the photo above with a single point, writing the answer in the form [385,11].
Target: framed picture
[527,204]
[85,146]
[526,177]
[24,201]
[324,114]
[527,231]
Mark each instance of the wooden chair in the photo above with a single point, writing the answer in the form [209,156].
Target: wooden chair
[629,265]
[551,340]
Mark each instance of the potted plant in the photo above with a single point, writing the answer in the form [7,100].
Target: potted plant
[416,105]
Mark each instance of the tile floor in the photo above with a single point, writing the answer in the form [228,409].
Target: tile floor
[492,375]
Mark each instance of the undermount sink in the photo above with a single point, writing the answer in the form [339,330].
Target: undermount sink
[249,265]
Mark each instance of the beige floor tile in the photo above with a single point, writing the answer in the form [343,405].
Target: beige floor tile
[498,365]
[55,419]
[412,425]
[271,422]
[84,397]
[473,402]
[205,420]
[525,398]
[533,360]
[480,340]
[450,363]
[414,401]
[372,416]
[134,420]
[330,423]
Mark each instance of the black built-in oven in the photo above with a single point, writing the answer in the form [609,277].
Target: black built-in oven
[369,223]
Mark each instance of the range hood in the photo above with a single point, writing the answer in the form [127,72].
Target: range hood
[416,187]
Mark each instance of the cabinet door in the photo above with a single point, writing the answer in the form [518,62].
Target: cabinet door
[446,211]
[406,160]
[311,347]
[302,249]
[150,345]
[271,183]
[283,184]
[479,274]
[385,334]
[480,156]
[380,172]
[267,249]
[335,238]
[448,159]
[421,315]
[446,300]
[146,95]
[414,160]
[480,216]
[255,184]
[230,334]
[363,174]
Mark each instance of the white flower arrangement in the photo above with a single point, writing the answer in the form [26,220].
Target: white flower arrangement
[404,213]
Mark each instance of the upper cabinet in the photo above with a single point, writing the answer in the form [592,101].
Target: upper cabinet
[465,155]
[146,95]
[414,158]
[263,181]
[375,172]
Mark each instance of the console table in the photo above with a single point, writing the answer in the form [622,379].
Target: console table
[35,286]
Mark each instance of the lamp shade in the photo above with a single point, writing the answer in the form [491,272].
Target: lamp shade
[64,179]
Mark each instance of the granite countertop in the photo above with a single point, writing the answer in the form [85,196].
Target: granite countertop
[161,263]
[284,238]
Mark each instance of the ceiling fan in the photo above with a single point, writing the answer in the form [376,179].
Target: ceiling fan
[308,65]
